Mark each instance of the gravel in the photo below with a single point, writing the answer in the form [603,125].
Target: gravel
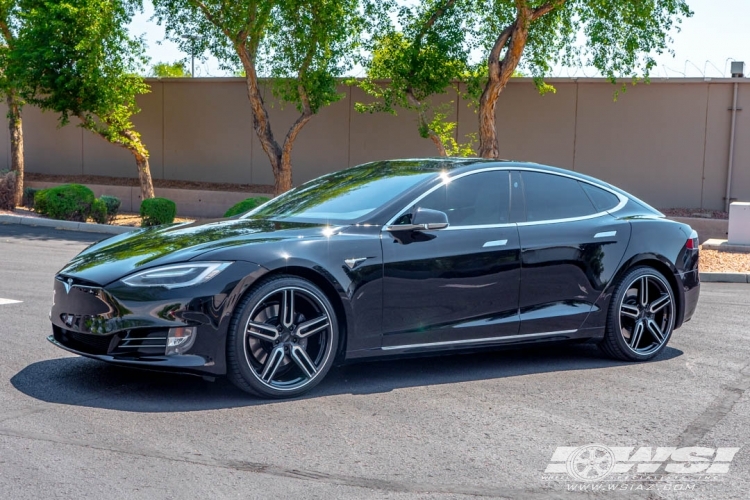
[713,261]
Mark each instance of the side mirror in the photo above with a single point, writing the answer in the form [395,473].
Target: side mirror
[423,219]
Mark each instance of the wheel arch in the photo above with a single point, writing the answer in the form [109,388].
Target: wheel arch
[661,264]
[328,288]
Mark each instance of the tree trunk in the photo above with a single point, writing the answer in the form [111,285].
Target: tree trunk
[144,176]
[500,72]
[140,153]
[487,133]
[16,142]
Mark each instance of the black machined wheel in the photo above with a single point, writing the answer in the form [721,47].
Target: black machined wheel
[641,316]
[283,340]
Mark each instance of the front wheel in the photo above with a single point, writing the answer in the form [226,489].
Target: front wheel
[641,316]
[283,338]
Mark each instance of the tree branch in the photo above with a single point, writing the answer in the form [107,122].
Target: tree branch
[423,124]
[6,33]
[545,9]
[432,20]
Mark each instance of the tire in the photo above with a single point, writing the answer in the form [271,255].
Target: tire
[275,353]
[634,318]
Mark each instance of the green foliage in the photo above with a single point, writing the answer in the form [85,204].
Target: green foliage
[8,190]
[176,69]
[421,51]
[28,196]
[99,212]
[245,206]
[67,202]
[157,211]
[76,58]
[304,44]
[618,38]
[113,206]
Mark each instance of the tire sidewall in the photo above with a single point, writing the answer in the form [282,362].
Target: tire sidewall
[237,337]
[614,316]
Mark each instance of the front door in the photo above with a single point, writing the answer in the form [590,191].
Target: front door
[457,285]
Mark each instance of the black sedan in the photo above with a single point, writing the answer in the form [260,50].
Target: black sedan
[390,258]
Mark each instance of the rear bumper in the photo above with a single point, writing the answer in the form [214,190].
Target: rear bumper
[692,287]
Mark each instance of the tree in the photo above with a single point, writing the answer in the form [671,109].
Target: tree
[426,54]
[305,45]
[9,23]
[176,69]
[76,58]
[621,37]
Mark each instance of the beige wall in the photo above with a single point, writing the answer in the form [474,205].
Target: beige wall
[666,142]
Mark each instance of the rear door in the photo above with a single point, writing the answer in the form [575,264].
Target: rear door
[570,249]
[457,285]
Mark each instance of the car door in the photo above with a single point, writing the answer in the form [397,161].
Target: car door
[570,248]
[455,285]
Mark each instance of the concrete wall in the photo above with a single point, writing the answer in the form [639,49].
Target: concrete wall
[666,142]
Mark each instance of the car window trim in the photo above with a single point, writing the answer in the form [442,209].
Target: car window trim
[623,199]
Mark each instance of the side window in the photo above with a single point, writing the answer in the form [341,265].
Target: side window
[476,199]
[602,200]
[550,197]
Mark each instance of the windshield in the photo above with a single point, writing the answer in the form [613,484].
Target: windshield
[347,195]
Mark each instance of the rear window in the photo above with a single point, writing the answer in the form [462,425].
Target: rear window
[602,200]
[554,197]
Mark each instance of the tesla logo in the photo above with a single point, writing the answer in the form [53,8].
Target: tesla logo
[67,285]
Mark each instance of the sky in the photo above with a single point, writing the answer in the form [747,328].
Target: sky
[718,33]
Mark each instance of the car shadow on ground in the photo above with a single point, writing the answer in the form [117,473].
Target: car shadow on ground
[84,382]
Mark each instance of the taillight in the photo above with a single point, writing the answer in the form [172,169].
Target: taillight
[692,242]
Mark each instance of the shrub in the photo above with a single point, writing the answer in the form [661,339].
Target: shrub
[7,190]
[157,211]
[99,212]
[113,206]
[67,202]
[245,206]
[28,196]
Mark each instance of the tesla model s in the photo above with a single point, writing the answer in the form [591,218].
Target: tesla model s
[394,258]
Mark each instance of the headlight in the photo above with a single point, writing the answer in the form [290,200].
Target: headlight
[177,275]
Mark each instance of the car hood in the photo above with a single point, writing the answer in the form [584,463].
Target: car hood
[116,257]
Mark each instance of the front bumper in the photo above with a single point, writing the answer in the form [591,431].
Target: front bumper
[129,326]
[186,363]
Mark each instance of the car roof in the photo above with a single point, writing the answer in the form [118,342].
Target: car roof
[460,165]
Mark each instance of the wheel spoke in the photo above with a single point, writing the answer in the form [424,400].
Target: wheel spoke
[660,303]
[629,310]
[655,331]
[262,331]
[287,308]
[275,357]
[635,338]
[312,326]
[643,292]
[301,358]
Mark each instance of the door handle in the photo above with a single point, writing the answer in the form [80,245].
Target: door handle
[605,234]
[495,243]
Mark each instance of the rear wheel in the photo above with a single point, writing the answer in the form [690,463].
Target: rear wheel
[282,340]
[641,316]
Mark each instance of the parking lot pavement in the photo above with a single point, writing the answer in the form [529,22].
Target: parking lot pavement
[473,425]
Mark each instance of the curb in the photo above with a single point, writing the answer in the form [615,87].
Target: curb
[725,277]
[65,224]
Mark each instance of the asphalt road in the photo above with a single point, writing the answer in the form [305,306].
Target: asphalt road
[446,427]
